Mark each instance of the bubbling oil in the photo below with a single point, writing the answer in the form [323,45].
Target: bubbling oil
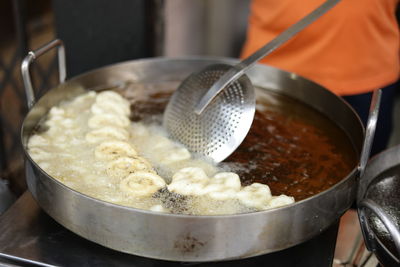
[61,147]
[291,147]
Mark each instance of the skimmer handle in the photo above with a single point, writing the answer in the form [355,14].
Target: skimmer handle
[236,71]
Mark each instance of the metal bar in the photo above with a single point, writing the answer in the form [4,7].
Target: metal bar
[370,130]
[32,55]
[23,261]
[57,43]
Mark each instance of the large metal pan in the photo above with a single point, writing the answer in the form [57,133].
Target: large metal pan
[183,237]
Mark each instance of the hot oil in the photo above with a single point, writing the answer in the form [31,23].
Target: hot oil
[291,147]
[294,149]
[149,139]
[65,154]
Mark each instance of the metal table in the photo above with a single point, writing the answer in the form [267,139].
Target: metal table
[28,236]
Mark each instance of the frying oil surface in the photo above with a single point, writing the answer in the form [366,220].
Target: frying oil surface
[89,144]
[290,147]
[293,148]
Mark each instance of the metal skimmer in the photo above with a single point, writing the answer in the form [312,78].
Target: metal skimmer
[212,110]
[219,130]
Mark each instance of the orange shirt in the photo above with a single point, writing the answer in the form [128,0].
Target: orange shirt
[352,49]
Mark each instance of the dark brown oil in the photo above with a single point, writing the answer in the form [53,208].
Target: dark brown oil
[291,147]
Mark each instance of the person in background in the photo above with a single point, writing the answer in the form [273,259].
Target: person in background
[351,50]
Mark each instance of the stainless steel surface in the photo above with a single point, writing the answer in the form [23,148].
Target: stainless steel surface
[183,237]
[239,69]
[223,126]
[32,55]
[370,130]
[28,235]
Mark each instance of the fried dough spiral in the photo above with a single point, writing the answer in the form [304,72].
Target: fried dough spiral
[141,184]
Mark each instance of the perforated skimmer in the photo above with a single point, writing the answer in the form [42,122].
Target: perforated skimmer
[212,110]
[219,130]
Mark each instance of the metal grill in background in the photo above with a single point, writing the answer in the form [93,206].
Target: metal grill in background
[24,25]
[95,33]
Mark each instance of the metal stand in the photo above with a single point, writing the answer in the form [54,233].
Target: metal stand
[29,236]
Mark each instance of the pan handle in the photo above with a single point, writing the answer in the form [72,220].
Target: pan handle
[370,130]
[32,55]
[369,236]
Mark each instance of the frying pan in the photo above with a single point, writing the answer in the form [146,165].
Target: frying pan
[180,237]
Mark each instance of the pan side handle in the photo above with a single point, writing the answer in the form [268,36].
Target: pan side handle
[32,55]
[370,130]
